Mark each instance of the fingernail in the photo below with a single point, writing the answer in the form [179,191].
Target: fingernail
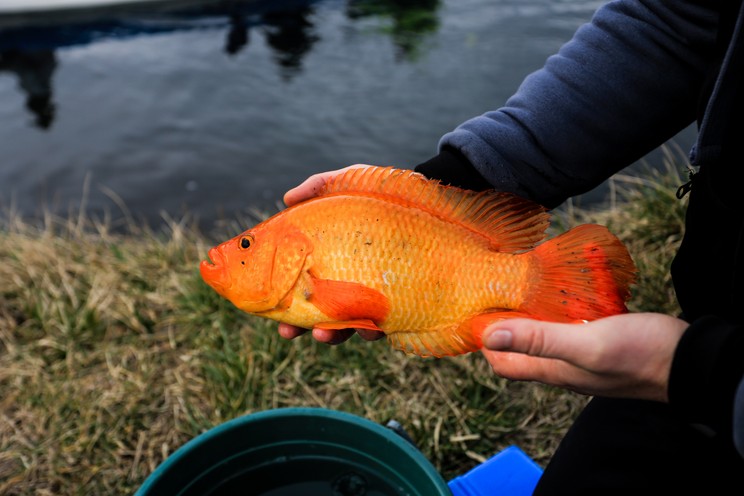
[498,340]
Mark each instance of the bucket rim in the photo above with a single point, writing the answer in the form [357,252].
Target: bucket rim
[293,412]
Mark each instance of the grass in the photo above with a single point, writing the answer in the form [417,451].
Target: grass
[113,354]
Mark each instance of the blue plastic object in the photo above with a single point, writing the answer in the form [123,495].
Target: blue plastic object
[509,473]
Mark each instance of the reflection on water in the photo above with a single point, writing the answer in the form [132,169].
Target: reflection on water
[238,35]
[290,34]
[410,19]
[213,112]
[287,27]
[34,70]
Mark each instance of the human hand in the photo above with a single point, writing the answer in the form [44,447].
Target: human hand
[627,356]
[310,188]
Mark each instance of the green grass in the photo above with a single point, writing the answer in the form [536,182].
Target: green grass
[113,354]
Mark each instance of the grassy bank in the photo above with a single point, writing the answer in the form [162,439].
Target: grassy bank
[113,353]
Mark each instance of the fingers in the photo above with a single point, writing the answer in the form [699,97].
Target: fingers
[343,335]
[290,332]
[520,367]
[308,189]
[332,336]
[329,336]
[339,336]
[322,335]
[311,186]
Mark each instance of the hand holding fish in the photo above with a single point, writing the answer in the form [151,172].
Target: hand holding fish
[627,356]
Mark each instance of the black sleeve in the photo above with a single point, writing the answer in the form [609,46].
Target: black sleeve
[452,168]
[707,369]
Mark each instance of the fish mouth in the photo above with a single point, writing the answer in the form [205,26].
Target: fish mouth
[214,271]
[215,257]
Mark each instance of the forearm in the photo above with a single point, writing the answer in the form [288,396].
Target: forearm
[625,83]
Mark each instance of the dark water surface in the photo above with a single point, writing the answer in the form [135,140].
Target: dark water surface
[224,110]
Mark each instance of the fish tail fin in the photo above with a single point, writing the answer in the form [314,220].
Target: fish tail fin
[583,274]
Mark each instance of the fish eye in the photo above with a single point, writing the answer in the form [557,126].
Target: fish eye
[245,242]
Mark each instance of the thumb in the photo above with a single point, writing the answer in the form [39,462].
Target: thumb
[532,350]
[567,342]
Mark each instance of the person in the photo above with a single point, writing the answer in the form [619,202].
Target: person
[667,412]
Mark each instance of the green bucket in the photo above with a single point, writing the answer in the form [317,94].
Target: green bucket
[293,452]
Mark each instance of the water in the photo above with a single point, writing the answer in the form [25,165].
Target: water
[216,112]
[313,475]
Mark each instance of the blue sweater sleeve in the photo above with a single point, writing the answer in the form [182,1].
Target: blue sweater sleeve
[627,81]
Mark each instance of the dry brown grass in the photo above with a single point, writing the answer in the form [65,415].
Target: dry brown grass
[113,353]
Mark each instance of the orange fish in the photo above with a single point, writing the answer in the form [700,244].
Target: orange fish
[429,265]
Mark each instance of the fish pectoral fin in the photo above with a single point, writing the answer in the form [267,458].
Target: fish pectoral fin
[348,301]
[348,324]
[456,340]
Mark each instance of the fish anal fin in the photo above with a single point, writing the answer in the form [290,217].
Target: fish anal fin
[448,341]
[344,301]
[509,222]
[457,340]
[437,344]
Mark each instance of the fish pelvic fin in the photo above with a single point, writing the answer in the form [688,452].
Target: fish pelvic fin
[583,274]
[510,223]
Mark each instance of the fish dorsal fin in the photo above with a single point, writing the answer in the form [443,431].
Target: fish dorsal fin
[510,222]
